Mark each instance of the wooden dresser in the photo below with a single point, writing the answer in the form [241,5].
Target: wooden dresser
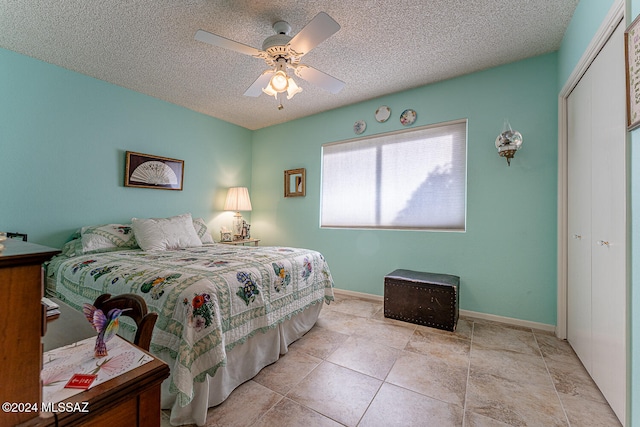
[22,324]
[130,399]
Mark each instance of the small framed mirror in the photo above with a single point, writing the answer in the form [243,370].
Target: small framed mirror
[294,183]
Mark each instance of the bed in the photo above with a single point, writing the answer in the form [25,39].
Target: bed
[224,311]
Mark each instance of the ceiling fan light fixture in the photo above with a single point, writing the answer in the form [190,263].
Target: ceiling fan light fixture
[279,82]
[293,88]
[269,91]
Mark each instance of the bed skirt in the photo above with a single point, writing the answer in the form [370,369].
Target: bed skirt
[244,362]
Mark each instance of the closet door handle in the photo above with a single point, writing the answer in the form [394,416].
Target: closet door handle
[603,243]
[577,236]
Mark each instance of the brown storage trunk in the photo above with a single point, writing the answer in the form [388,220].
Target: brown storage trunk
[428,299]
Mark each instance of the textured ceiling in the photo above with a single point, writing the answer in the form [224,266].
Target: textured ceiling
[382,47]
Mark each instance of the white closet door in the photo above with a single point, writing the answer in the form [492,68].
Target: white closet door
[597,255]
[608,229]
[579,221]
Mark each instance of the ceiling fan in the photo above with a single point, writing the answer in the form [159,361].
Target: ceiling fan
[282,53]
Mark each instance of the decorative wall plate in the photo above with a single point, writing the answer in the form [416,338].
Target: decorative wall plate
[359,126]
[408,117]
[383,113]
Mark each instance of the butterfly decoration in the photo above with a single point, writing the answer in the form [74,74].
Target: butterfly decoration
[106,325]
[157,285]
[283,278]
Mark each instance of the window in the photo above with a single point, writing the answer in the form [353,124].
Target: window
[410,180]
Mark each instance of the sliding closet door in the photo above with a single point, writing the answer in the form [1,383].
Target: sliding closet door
[608,228]
[597,254]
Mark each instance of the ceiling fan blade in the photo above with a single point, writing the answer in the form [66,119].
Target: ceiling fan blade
[225,43]
[255,89]
[320,28]
[320,79]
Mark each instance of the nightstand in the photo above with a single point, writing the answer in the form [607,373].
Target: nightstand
[243,242]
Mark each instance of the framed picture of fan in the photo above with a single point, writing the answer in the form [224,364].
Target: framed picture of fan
[148,171]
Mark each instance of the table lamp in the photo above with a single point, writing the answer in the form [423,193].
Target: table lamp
[237,200]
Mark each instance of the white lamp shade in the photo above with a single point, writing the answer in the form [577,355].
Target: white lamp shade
[279,82]
[270,91]
[237,200]
[292,89]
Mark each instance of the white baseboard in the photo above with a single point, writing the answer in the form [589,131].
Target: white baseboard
[508,320]
[370,297]
[465,313]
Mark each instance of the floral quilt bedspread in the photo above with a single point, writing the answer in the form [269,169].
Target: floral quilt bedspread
[208,299]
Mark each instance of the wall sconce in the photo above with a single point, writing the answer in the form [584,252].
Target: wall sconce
[237,200]
[508,142]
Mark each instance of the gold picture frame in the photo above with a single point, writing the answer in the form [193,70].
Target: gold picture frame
[148,171]
[295,183]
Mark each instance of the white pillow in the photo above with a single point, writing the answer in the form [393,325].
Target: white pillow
[202,231]
[159,234]
[102,238]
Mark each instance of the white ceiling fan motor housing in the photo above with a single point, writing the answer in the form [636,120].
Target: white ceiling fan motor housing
[275,45]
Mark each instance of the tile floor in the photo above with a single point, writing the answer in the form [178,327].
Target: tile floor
[356,368]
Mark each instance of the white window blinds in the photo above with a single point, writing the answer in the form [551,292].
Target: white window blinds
[413,179]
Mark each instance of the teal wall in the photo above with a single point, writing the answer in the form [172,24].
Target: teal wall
[507,257]
[586,20]
[63,138]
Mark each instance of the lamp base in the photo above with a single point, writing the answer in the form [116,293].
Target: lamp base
[237,226]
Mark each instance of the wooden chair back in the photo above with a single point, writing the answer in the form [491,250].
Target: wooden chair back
[138,312]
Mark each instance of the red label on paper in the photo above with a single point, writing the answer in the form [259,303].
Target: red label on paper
[82,381]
